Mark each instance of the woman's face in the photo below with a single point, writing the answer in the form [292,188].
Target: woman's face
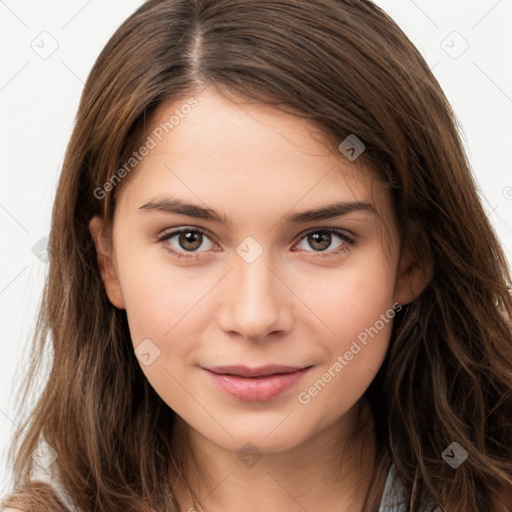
[257,280]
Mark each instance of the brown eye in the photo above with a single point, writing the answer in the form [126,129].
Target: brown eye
[190,240]
[319,241]
[322,239]
[186,240]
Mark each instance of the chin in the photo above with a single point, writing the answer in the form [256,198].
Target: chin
[262,444]
[266,436]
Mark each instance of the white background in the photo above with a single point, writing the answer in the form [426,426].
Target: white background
[39,98]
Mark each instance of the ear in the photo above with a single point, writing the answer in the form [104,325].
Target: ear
[412,277]
[106,264]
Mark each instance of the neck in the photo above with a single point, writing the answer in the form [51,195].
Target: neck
[331,471]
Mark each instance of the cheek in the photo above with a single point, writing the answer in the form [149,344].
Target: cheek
[165,307]
[159,296]
[356,304]
[163,304]
[352,297]
[351,358]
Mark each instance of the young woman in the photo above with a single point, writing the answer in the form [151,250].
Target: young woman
[272,285]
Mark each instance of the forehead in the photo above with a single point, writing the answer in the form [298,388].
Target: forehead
[247,157]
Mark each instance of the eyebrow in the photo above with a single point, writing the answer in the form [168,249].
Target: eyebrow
[338,209]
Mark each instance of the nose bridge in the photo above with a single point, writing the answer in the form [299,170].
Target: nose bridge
[254,305]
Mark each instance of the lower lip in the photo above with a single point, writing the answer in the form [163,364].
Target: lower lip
[257,389]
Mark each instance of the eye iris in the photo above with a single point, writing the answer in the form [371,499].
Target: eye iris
[190,237]
[323,239]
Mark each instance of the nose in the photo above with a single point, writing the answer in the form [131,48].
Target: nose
[256,303]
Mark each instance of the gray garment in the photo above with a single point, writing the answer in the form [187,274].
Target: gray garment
[394,499]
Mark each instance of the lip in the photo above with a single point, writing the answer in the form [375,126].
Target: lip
[256,384]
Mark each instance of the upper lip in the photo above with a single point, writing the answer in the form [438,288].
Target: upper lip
[260,371]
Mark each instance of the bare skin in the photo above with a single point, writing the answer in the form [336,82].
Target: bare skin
[341,484]
[302,301]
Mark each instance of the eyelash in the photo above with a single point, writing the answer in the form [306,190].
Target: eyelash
[316,254]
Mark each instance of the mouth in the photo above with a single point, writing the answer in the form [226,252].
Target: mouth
[256,384]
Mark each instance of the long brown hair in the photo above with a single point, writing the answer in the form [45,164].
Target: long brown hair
[345,66]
